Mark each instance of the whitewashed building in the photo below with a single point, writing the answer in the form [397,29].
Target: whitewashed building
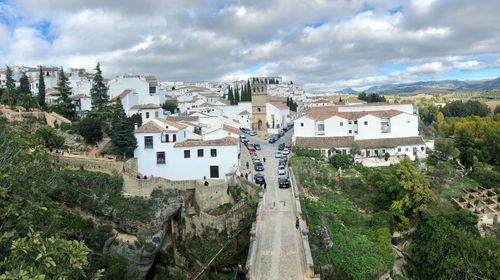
[278,116]
[376,128]
[168,149]
[134,90]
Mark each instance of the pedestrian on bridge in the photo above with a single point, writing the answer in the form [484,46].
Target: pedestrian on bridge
[264,159]
[241,274]
[297,223]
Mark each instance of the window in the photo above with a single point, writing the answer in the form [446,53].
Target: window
[258,109]
[366,122]
[422,148]
[355,132]
[321,129]
[408,121]
[350,131]
[152,90]
[167,138]
[156,114]
[213,152]
[147,115]
[399,150]
[341,123]
[148,142]
[301,124]
[200,152]
[407,149]
[350,122]
[160,157]
[174,137]
[187,153]
[355,122]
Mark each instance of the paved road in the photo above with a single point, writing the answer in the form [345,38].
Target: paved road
[279,254]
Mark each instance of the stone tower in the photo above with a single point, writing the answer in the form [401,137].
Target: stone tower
[259,100]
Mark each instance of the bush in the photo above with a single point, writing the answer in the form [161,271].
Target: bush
[306,152]
[341,161]
[48,137]
[91,130]
[488,178]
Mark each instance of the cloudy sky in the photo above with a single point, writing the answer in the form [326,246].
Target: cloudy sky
[319,44]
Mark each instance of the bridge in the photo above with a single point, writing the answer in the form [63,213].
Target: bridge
[278,250]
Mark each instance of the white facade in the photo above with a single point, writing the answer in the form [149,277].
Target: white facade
[134,90]
[377,129]
[169,150]
[277,115]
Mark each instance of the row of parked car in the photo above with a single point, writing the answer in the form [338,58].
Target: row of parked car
[248,131]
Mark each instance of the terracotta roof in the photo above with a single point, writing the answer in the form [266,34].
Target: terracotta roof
[347,141]
[279,105]
[51,92]
[182,118]
[151,78]
[174,123]
[231,129]
[324,142]
[390,142]
[226,141]
[145,106]
[325,114]
[149,127]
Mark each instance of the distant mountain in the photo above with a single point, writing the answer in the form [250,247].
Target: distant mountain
[435,86]
[347,91]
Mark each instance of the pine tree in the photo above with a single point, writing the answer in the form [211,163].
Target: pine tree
[230,95]
[99,93]
[9,94]
[249,89]
[123,141]
[236,96]
[24,96]
[41,88]
[65,105]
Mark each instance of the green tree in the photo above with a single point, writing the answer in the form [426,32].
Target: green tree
[136,119]
[230,96]
[99,93]
[341,161]
[123,141]
[35,257]
[65,106]
[464,139]
[445,147]
[48,137]
[25,98]
[249,90]
[41,88]
[9,93]
[447,246]
[91,130]
[170,105]
[416,194]
[237,96]
[428,114]
[497,110]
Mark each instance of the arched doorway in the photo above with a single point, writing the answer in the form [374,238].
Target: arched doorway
[259,125]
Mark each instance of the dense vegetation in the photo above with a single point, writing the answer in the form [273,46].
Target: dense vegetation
[371,97]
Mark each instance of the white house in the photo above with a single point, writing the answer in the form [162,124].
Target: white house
[376,128]
[168,149]
[277,115]
[318,103]
[134,90]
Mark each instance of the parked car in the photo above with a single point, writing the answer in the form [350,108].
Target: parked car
[288,145]
[259,166]
[278,154]
[251,148]
[259,178]
[254,156]
[281,170]
[271,140]
[282,162]
[243,139]
[281,147]
[283,182]
[252,133]
[257,147]
[286,151]
[255,160]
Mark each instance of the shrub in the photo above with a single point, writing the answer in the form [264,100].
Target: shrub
[48,137]
[91,130]
[488,178]
[306,152]
[341,161]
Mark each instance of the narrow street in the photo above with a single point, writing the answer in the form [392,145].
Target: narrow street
[279,254]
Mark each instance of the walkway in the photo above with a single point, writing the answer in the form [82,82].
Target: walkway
[279,253]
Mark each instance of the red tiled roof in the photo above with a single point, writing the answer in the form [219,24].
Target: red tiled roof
[348,141]
[145,106]
[231,129]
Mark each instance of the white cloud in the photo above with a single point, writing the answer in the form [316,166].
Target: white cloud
[468,65]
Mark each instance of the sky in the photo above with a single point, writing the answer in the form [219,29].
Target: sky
[319,44]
